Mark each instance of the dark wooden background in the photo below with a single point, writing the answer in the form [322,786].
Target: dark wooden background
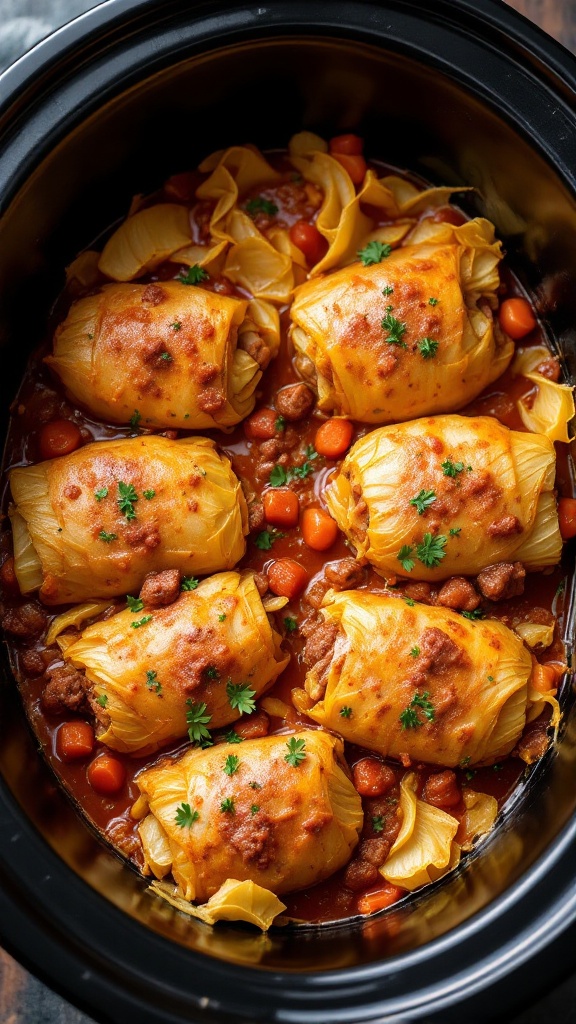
[23,999]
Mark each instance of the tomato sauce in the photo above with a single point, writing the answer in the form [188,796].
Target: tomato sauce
[40,401]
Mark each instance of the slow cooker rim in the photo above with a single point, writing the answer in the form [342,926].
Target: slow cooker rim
[105,14]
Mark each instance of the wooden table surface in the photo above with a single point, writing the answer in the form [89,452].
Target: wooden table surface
[23,999]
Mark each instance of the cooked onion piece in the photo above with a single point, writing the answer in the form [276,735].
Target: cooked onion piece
[550,410]
[448,495]
[421,681]
[283,821]
[180,355]
[424,848]
[143,681]
[233,901]
[92,524]
[144,240]
[409,335]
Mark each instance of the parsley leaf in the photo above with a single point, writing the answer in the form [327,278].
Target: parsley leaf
[233,737]
[211,672]
[176,326]
[135,419]
[141,622]
[345,712]
[185,816]
[290,624]
[428,347]
[222,617]
[194,275]
[255,785]
[478,613]
[102,700]
[410,717]
[231,764]
[296,751]
[455,530]
[409,601]
[433,302]
[152,681]
[396,329]
[450,468]
[227,806]
[278,477]
[280,423]
[378,822]
[254,808]
[166,357]
[107,537]
[430,551]
[241,697]
[405,557]
[261,205]
[189,583]
[373,252]
[126,498]
[135,604]
[387,289]
[197,720]
[423,500]
[266,538]
[414,652]
[149,494]
[101,493]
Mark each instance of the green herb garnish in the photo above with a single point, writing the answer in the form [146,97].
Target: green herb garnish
[430,551]
[152,681]
[194,275]
[233,737]
[197,720]
[102,700]
[433,302]
[101,493]
[422,501]
[185,816]
[149,494]
[373,252]
[135,604]
[415,651]
[107,537]
[378,822]
[278,477]
[455,530]
[450,468]
[266,538]
[241,697]
[478,613]
[254,808]
[345,711]
[410,717]
[261,205]
[428,347]
[189,583]
[141,622]
[126,499]
[135,419]
[227,806]
[395,328]
[404,556]
[296,751]
[231,764]
[280,423]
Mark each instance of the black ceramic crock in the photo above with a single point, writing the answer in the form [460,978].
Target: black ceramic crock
[462,92]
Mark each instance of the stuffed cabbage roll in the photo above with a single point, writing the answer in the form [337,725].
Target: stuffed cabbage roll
[95,522]
[419,682]
[179,356]
[182,668]
[409,335]
[448,495]
[280,811]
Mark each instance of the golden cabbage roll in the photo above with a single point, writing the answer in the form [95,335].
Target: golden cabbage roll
[93,523]
[280,811]
[448,495]
[410,335]
[422,682]
[143,682]
[178,355]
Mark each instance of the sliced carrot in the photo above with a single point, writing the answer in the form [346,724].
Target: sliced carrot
[74,740]
[372,777]
[287,578]
[261,425]
[106,774]
[281,507]
[516,318]
[59,437]
[355,165]
[544,678]
[334,438]
[318,529]
[349,145]
[384,897]
[567,517]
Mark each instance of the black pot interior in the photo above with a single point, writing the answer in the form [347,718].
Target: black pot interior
[413,116]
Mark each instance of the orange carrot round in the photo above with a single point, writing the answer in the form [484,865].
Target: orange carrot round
[318,529]
[74,740]
[567,517]
[334,438]
[516,318]
[106,774]
[281,507]
[287,578]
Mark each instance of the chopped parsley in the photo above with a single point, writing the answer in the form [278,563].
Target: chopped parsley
[414,652]
[135,604]
[266,538]
[465,761]
[490,679]
[166,357]
[428,347]
[152,681]
[211,672]
[185,816]
[241,697]
[469,775]
[101,493]
[396,329]
[560,588]
[431,551]
[290,624]
[189,583]
[373,252]
[197,720]
[450,468]
[455,530]
[409,601]
[254,809]
[410,717]
[255,785]
[222,617]
[278,477]
[496,767]
[422,501]
[296,751]
[194,275]
[404,556]
[261,205]
[227,806]
[107,537]
[135,419]
[102,700]
[231,764]
[176,326]
[149,494]
[280,423]
[478,613]
[433,302]
[387,289]
[126,499]
[141,622]
[378,822]
[233,737]
[345,712]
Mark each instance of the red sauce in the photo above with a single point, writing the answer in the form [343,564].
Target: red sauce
[40,400]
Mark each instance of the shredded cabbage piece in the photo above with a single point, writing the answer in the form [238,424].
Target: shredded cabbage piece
[75,616]
[234,901]
[535,634]
[145,240]
[478,819]
[551,411]
[424,848]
